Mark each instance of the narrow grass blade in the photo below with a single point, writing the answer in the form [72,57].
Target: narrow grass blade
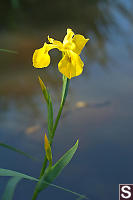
[44,90]
[53,172]
[10,188]
[80,196]
[49,106]
[8,51]
[6,172]
[50,117]
[48,150]
[18,151]
[64,89]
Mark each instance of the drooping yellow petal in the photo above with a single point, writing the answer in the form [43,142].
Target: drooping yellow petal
[80,42]
[71,65]
[68,36]
[41,57]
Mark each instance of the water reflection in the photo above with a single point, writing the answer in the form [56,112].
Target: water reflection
[99,106]
[99,20]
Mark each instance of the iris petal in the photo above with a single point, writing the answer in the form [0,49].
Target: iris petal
[80,42]
[71,65]
[57,43]
[41,57]
[68,36]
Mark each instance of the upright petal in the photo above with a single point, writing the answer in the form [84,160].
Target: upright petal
[68,36]
[41,57]
[71,65]
[80,42]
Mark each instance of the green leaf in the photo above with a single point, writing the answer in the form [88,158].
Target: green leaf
[50,117]
[51,173]
[17,150]
[67,190]
[44,90]
[64,89]
[10,188]
[81,197]
[6,172]
[8,51]
[48,150]
[49,107]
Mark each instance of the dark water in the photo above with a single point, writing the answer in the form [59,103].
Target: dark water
[98,111]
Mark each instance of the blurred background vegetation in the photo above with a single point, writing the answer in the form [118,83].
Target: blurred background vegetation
[93,18]
[92,14]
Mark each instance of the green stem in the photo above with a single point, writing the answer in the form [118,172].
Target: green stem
[44,166]
[63,99]
[53,133]
[35,195]
[56,122]
[64,95]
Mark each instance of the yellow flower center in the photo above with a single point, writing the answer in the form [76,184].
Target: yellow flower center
[68,45]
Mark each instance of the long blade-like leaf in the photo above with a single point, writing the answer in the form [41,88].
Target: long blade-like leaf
[50,117]
[49,106]
[8,51]
[64,89]
[53,172]
[44,90]
[17,150]
[6,172]
[67,190]
[10,188]
[79,198]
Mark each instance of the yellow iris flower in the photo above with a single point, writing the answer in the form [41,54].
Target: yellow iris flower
[71,64]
